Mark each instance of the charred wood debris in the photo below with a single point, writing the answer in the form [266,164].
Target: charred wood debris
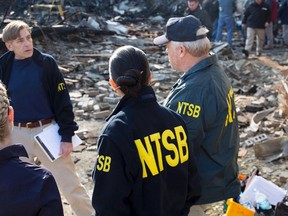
[82,35]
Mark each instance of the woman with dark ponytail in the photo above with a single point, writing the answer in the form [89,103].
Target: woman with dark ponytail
[144,165]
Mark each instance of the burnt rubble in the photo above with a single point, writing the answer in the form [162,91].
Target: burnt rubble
[83,39]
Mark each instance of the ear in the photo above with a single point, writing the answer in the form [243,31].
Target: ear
[113,84]
[11,114]
[182,51]
[150,76]
[9,46]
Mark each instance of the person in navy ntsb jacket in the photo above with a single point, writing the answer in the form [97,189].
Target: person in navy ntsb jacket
[205,99]
[144,164]
[25,189]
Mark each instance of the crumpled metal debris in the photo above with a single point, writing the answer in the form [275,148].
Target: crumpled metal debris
[256,119]
[272,149]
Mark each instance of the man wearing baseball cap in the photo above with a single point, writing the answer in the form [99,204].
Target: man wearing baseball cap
[204,97]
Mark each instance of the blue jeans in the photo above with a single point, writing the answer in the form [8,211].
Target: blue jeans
[214,30]
[229,23]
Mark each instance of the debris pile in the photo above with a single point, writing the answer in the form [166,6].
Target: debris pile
[89,31]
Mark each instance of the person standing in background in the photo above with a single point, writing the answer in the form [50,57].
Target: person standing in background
[195,9]
[204,97]
[226,19]
[273,6]
[26,189]
[246,3]
[40,97]
[283,16]
[212,8]
[256,18]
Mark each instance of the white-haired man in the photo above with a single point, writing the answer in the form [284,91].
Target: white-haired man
[204,97]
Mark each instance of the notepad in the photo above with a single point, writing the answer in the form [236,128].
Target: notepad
[49,140]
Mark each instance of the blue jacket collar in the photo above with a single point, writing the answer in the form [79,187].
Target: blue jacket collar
[206,62]
[12,151]
[146,94]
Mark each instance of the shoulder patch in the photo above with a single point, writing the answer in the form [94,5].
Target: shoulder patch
[61,87]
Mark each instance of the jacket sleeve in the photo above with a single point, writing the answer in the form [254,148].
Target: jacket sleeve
[5,66]
[246,14]
[112,182]
[50,198]
[60,100]
[194,185]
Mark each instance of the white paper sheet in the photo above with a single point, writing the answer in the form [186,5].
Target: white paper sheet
[49,140]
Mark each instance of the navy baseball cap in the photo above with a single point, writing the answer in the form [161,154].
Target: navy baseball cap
[181,29]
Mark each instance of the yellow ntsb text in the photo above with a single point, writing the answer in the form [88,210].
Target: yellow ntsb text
[188,109]
[169,147]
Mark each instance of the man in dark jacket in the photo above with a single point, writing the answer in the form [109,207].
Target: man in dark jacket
[256,18]
[40,98]
[195,9]
[204,97]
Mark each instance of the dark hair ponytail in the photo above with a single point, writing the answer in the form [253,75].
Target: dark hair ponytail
[130,82]
[129,69]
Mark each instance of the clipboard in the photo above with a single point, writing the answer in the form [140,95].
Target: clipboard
[49,140]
